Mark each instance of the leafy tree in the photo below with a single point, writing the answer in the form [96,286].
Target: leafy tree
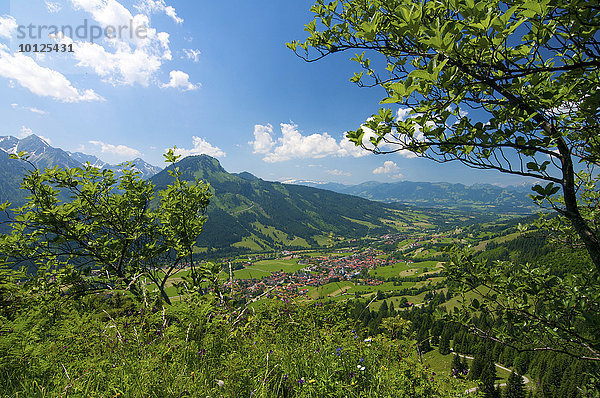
[515,387]
[108,229]
[511,86]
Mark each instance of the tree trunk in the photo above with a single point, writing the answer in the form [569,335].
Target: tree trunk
[587,235]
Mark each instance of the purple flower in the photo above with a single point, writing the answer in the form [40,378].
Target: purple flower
[285,377]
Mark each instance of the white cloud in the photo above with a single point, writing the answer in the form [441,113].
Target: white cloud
[402,114]
[155,6]
[180,80]
[337,172]
[26,132]
[192,54]
[30,109]
[132,55]
[263,141]
[53,6]
[39,80]
[8,25]
[170,11]
[201,147]
[121,67]
[119,150]
[388,167]
[293,145]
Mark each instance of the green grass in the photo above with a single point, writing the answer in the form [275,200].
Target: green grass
[361,222]
[384,287]
[264,268]
[456,300]
[248,243]
[441,364]
[399,269]
[334,288]
[251,273]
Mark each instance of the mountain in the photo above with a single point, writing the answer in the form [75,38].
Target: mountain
[40,152]
[83,158]
[146,169]
[43,155]
[11,176]
[248,212]
[440,195]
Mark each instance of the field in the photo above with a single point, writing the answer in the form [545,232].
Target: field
[403,269]
[264,268]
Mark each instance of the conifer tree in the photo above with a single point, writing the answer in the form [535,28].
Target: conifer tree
[515,387]
[488,381]
[444,343]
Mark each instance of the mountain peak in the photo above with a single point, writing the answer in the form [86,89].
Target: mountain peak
[247,176]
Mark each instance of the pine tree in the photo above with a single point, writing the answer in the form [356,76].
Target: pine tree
[515,387]
[478,363]
[383,310]
[488,381]
[445,343]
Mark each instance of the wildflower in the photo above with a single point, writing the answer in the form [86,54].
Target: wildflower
[362,359]
[192,374]
[361,368]
[311,381]
[285,377]
[220,383]
[301,381]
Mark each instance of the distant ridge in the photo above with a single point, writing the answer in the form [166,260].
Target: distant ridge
[483,197]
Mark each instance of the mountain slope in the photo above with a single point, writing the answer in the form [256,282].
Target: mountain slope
[253,213]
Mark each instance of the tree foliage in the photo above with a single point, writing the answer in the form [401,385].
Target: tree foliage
[511,86]
[107,230]
[506,85]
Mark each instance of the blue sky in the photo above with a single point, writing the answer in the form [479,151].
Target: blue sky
[207,76]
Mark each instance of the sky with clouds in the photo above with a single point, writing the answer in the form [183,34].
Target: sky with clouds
[208,77]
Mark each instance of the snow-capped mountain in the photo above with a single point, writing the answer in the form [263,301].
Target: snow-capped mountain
[43,155]
[83,158]
[40,152]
